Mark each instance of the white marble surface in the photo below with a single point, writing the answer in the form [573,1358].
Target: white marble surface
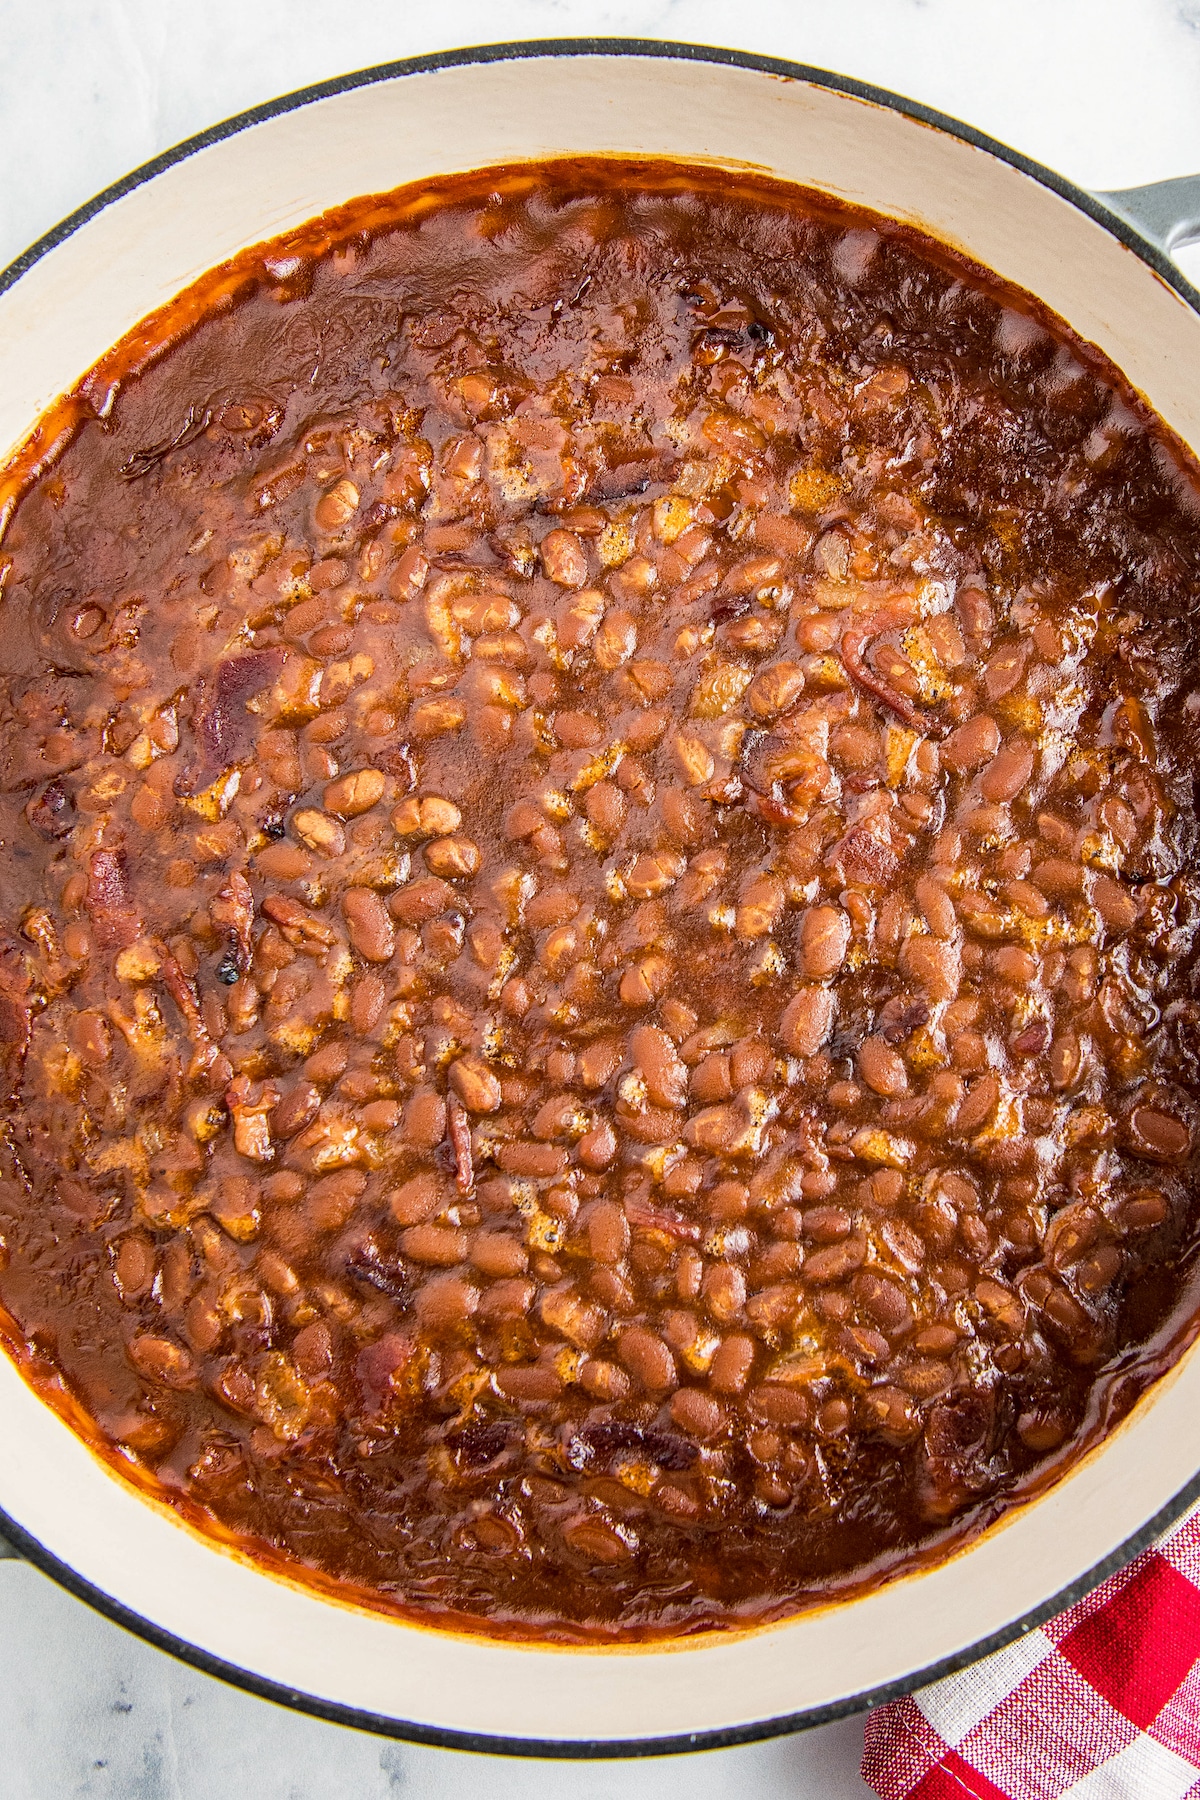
[1108,91]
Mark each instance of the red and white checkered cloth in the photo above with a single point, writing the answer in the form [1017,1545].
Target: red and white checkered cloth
[1101,1703]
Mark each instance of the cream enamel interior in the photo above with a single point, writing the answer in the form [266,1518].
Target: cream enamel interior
[72,306]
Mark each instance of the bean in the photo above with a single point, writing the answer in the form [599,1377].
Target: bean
[882,1067]
[475,1084]
[711,1079]
[319,831]
[564,1310]
[536,1160]
[529,1382]
[834,1262]
[616,640]
[1057,878]
[1004,669]
[932,965]
[774,689]
[654,874]
[436,718]
[697,1413]
[564,559]
[647,1359]
[1028,899]
[371,931]
[1013,964]
[368,997]
[1115,904]
[827,1224]
[824,940]
[724,1292]
[599,1542]
[352,795]
[380,1115]
[883,1301]
[445,1302]
[806,1021]
[134,1265]
[1009,773]
[780,1405]
[337,505]
[730,1367]
[161,1359]
[657,1060]
[507,1299]
[438,1245]
[937,907]
[694,758]
[760,908]
[453,858]
[1157,1135]
[604,1381]
[972,744]
[418,1198]
[607,808]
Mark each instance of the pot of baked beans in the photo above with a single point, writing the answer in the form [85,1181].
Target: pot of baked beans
[598,1004]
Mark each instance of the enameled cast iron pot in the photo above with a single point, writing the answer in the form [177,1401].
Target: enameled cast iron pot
[1100,262]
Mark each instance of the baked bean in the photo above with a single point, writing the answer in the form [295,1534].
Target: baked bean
[1008,773]
[352,795]
[607,1231]
[824,940]
[724,1291]
[371,931]
[931,965]
[439,1245]
[697,1413]
[533,1381]
[453,858]
[835,1262]
[604,1381]
[807,1020]
[1115,904]
[319,831]
[417,1199]
[546,1038]
[475,1084]
[564,559]
[445,1302]
[971,744]
[937,906]
[730,1367]
[647,1358]
[882,1068]
[160,1359]
[506,1300]
[607,808]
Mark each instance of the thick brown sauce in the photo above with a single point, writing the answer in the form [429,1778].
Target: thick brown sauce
[596,784]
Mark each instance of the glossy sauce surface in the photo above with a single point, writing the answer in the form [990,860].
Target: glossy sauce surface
[596,956]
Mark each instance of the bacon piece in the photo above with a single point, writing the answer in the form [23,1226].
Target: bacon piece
[251,1129]
[183,993]
[222,727]
[460,1138]
[114,917]
[657,1218]
[770,810]
[854,642]
[382,1368]
[295,922]
[233,911]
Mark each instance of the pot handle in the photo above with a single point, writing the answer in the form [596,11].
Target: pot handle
[1166,212]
